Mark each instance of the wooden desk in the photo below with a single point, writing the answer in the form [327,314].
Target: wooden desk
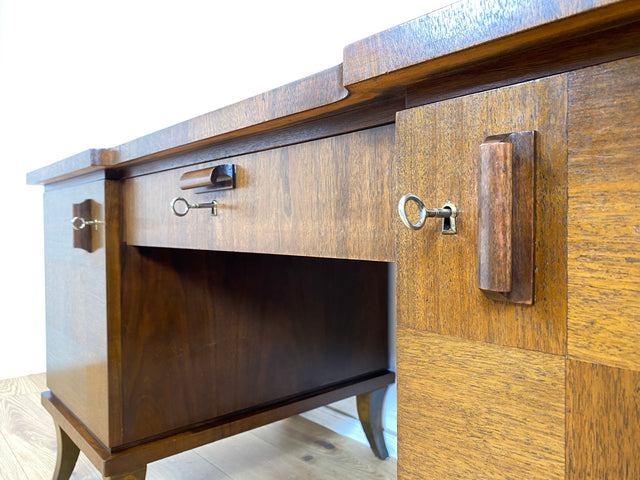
[165,332]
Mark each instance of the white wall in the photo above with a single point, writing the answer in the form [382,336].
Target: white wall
[89,74]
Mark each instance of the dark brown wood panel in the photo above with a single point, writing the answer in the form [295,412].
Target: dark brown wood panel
[537,61]
[110,463]
[438,150]
[604,214]
[459,49]
[603,421]
[470,32]
[309,94]
[83,307]
[326,198]
[475,410]
[207,334]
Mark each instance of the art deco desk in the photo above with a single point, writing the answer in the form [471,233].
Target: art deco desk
[233,270]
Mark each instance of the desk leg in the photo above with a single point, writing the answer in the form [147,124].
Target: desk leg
[370,407]
[137,475]
[66,455]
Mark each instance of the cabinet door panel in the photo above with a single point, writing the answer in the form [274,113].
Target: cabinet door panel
[438,148]
[474,410]
[480,382]
[603,419]
[604,214]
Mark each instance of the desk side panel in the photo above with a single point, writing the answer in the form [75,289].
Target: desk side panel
[80,298]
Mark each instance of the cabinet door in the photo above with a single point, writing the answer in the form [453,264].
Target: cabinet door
[83,301]
[603,373]
[481,383]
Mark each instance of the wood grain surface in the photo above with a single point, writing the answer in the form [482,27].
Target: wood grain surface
[438,149]
[28,440]
[471,32]
[604,214]
[89,161]
[481,40]
[307,94]
[83,307]
[132,458]
[506,218]
[292,448]
[473,410]
[326,198]
[522,64]
[250,330]
[495,214]
[603,422]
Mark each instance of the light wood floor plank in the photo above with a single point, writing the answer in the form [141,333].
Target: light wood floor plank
[10,468]
[29,431]
[327,453]
[18,386]
[247,457]
[186,465]
[40,380]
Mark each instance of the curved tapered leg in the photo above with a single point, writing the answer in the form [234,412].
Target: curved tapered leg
[370,406]
[66,456]
[137,475]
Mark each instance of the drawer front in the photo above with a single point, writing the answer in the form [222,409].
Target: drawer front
[327,198]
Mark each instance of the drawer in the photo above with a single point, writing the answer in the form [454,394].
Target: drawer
[326,198]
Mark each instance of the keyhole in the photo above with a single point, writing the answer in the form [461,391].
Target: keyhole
[449,226]
[446,222]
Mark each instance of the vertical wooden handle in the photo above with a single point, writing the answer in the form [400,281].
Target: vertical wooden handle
[495,210]
[506,217]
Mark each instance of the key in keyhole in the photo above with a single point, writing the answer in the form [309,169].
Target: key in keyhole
[448,213]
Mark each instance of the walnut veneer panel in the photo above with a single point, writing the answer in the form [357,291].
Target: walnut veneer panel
[603,421]
[474,410]
[276,106]
[444,48]
[326,198]
[471,32]
[83,307]
[604,214]
[206,334]
[438,150]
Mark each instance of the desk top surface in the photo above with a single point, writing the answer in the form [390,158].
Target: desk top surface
[453,40]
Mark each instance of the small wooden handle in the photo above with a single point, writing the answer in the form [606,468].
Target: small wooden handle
[196,179]
[495,210]
[506,217]
[220,177]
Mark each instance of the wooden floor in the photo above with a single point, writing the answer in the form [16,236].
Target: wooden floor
[291,449]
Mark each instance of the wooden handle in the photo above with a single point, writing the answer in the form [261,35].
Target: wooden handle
[495,210]
[220,177]
[506,217]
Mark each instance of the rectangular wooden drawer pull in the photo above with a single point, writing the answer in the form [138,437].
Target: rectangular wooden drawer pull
[220,177]
[506,217]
